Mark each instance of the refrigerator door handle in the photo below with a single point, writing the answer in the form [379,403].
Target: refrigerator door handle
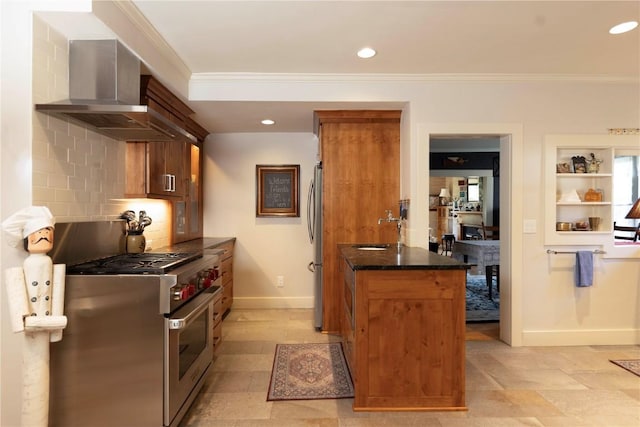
[312,267]
[311,211]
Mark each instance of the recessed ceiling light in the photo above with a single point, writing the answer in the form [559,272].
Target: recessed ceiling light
[623,28]
[268,122]
[366,52]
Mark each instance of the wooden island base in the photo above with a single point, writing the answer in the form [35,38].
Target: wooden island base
[403,332]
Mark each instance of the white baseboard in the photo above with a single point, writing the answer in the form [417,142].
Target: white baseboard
[273,302]
[581,337]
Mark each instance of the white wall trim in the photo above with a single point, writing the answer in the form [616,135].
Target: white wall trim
[272,302]
[374,77]
[135,32]
[581,337]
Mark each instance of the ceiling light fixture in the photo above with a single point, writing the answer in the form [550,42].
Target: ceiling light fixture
[366,53]
[268,122]
[623,28]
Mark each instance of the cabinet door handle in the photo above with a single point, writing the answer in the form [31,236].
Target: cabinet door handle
[167,182]
[173,183]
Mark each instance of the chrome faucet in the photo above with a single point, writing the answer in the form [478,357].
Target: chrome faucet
[398,222]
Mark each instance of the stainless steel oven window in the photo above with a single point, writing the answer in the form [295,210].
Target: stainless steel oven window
[192,341]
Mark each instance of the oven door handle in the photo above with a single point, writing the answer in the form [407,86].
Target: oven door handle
[203,304]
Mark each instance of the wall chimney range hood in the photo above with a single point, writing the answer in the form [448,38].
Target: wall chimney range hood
[104,93]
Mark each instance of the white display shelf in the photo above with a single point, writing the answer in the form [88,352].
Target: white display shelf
[559,150]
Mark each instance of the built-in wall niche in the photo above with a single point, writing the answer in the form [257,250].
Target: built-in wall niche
[583,201]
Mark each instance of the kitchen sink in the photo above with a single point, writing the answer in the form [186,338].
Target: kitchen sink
[372,247]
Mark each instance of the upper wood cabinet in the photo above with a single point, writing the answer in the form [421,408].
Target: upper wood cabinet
[169,170]
[163,169]
[360,152]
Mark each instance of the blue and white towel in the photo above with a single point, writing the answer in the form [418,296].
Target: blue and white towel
[584,268]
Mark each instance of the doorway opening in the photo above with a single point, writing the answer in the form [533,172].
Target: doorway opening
[510,138]
[467,168]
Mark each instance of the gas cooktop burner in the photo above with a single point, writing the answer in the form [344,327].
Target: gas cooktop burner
[145,263]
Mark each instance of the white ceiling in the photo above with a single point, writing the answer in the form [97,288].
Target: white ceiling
[559,38]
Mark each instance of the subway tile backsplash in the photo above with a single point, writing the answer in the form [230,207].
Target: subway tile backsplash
[76,172]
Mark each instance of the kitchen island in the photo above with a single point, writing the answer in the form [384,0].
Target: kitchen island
[403,328]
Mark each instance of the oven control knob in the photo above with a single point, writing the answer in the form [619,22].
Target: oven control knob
[181,293]
[177,293]
[191,289]
[206,282]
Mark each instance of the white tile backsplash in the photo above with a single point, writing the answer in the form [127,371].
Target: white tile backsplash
[78,173]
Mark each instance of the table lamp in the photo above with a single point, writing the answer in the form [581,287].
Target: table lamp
[444,196]
[634,212]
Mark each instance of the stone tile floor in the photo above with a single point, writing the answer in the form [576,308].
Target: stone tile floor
[506,386]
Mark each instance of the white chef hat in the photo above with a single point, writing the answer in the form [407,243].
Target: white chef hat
[26,221]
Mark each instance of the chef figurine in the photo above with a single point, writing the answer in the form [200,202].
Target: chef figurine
[36,303]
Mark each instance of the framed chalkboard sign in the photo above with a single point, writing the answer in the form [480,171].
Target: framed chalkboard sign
[277,190]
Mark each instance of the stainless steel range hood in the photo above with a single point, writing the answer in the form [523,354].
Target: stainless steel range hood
[104,93]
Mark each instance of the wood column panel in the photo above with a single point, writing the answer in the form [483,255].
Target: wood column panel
[360,152]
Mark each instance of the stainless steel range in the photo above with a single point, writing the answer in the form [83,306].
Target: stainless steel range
[139,339]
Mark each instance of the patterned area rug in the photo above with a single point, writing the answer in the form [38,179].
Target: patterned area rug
[309,371]
[632,365]
[479,307]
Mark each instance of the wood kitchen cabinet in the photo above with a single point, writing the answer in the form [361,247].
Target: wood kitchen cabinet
[360,152]
[226,270]
[169,170]
[166,168]
[217,321]
[155,169]
[158,169]
[166,160]
[403,332]
[187,215]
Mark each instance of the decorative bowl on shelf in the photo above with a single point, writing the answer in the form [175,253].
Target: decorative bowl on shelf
[582,226]
[564,226]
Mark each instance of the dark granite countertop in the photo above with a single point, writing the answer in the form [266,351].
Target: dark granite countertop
[409,258]
[196,245]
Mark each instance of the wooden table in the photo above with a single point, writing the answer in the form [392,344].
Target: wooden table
[485,253]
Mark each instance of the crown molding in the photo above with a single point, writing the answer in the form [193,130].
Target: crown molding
[328,77]
[149,32]
[137,33]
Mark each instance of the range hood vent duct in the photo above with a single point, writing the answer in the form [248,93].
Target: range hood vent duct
[104,93]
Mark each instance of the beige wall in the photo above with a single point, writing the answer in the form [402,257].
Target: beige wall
[265,247]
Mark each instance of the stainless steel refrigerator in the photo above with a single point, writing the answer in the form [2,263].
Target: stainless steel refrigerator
[314,224]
